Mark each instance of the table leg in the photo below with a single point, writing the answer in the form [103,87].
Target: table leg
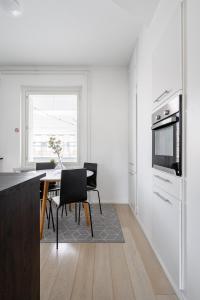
[44,204]
[87,213]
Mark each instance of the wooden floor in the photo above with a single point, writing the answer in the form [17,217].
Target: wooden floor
[128,271]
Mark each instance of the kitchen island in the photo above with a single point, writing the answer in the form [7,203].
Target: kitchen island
[20,236]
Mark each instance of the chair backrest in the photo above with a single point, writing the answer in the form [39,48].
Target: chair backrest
[45,166]
[91,180]
[73,186]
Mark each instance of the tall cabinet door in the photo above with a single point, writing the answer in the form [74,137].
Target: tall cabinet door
[132,168]
[167,60]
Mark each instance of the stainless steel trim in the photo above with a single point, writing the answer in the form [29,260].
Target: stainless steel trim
[164,169]
[163,94]
[165,122]
[163,198]
[162,178]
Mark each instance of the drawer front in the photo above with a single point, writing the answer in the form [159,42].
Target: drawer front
[166,228]
[169,183]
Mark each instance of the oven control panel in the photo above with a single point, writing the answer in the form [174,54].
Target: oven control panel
[169,109]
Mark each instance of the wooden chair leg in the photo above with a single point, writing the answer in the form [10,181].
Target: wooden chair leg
[42,212]
[87,213]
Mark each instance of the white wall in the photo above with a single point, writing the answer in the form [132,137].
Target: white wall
[103,121]
[147,42]
[109,131]
[11,95]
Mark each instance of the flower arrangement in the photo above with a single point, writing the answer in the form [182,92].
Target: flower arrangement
[55,145]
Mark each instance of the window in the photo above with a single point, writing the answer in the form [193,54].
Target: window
[50,115]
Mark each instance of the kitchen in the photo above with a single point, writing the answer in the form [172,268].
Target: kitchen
[152,140]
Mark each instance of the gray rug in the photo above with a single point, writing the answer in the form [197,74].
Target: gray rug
[107,228]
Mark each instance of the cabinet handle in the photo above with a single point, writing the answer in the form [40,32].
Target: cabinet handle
[162,178]
[130,163]
[163,198]
[131,173]
[163,94]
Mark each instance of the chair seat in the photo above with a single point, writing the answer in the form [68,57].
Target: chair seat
[90,188]
[54,187]
[56,200]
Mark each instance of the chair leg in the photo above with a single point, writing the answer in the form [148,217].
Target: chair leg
[62,211]
[99,201]
[57,227]
[90,219]
[51,215]
[75,212]
[66,209]
[79,213]
[46,210]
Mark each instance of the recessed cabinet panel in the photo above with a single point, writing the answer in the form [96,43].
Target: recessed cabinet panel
[132,190]
[167,60]
[166,210]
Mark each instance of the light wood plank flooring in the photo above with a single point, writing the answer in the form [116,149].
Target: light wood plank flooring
[128,271]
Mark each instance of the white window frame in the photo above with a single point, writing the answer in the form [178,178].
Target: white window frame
[26,91]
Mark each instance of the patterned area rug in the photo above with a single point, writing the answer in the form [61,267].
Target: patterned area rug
[107,228]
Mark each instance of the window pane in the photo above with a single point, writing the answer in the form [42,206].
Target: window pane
[52,115]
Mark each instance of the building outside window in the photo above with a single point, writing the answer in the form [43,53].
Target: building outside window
[50,115]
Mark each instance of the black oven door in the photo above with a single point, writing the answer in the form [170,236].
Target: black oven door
[166,145]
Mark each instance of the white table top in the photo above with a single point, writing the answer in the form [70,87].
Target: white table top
[55,175]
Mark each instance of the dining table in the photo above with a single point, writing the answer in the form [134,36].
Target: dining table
[55,176]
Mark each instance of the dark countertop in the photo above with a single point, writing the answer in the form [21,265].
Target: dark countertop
[11,180]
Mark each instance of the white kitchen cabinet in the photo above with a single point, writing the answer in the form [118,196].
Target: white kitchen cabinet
[166,231]
[167,60]
[132,148]
[171,184]
[132,191]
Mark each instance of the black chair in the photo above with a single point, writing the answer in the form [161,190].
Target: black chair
[45,165]
[73,190]
[53,189]
[92,180]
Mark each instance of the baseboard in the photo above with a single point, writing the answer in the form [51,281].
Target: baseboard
[176,289]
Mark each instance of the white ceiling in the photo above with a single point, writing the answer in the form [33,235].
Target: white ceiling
[73,32]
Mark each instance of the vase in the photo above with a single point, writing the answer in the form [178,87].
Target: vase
[60,165]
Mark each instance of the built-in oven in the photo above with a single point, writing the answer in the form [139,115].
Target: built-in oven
[167,137]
